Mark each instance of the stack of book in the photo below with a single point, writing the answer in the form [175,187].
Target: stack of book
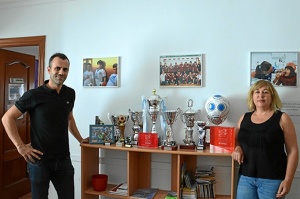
[189,193]
[189,189]
[120,189]
[205,180]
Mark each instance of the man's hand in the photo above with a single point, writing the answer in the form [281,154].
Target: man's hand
[29,153]
[85,140]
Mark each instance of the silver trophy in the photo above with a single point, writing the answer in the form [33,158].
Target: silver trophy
[170,117]
[202,126]
[154,102]
[119,122]
[189,117]
[137,119]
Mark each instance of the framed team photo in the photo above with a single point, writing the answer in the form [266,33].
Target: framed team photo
[102,134]
[181,70]
[280,68]
[101,72]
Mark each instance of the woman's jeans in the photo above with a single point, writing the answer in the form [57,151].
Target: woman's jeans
[59,171]
[256,188]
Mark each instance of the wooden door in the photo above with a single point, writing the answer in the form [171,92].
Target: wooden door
[16,76]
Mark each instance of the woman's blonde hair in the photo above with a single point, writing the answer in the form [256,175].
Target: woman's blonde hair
[276,102]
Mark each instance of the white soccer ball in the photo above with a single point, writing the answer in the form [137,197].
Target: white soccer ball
[217,108]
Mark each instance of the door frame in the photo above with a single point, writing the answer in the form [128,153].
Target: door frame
[29,41]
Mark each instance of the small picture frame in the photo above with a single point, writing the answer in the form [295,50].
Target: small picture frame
[181,70]
[280,68]
[102,134]
[102,72]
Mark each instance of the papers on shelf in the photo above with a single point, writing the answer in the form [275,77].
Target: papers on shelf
[120,189]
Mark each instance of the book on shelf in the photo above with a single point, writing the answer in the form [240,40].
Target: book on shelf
[204,172]
[206,190]
[144,193]
[120,189]
[189,193]
[171,195]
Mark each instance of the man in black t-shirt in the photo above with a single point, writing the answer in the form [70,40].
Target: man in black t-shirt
[50,109]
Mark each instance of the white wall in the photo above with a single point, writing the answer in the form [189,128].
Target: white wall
[140,31]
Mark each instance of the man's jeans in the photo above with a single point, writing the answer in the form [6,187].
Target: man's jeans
[59,171]
[257,188]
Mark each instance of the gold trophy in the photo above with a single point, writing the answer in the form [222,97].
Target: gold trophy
[119,122]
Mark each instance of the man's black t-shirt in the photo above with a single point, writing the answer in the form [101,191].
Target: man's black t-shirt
[48,113]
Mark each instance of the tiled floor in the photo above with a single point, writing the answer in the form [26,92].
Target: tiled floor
[27,196]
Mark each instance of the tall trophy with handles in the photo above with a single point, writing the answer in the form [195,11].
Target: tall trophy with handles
[201,128]
[154,102]
[137,119]
[189,117]
[119,121]
[170,117]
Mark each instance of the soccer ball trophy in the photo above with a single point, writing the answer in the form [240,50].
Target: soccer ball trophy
[217,108]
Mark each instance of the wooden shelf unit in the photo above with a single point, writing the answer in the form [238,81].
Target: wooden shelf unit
[139,164]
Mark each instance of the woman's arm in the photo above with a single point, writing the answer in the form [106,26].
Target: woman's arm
[290,139]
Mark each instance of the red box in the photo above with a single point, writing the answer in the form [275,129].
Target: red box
[148,140]
[223,137]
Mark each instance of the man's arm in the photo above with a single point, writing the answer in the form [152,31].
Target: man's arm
[10,125]
[74,130]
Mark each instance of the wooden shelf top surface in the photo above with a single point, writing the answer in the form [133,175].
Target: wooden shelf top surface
[209,151]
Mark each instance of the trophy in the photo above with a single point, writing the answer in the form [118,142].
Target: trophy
[137,119]
[154,109]
[189,118]
[119,121]
[170,117]
[202,126]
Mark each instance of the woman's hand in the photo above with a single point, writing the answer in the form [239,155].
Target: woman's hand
[238,154]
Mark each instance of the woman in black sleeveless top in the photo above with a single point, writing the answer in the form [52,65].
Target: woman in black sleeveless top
[266,146]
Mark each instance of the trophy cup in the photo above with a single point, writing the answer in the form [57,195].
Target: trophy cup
[170,117]
[154,109]
[137,119]
[202,126]
[189,118]
[119,121]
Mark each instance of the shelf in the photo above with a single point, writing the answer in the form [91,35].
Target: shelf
[161,194]
[139,164]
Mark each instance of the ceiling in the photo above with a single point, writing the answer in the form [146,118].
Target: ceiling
[5,4]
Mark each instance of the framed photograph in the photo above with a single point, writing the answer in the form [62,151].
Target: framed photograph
[101,72]
[180,71]
[280,68]
[102,134]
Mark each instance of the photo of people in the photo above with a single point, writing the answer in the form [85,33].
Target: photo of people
[181,71]
[101,72]
[280,68]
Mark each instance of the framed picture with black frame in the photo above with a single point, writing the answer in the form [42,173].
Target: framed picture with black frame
[102,134]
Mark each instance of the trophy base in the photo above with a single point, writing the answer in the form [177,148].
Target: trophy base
[202,147]
[169,148]
[128,145]
[119,144]
[189,147]
[107,143]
